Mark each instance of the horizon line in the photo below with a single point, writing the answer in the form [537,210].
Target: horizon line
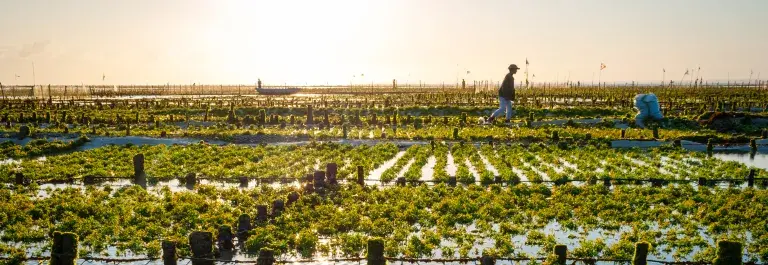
[423,84]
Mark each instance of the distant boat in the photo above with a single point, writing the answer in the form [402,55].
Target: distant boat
[277,91]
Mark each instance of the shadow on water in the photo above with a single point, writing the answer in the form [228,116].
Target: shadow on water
[97,142]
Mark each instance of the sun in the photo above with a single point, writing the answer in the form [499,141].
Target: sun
[315,44]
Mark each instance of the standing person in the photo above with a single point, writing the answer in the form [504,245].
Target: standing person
[506,95]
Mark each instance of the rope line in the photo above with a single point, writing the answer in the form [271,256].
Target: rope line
[304,180]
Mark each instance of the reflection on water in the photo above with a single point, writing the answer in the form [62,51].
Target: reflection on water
[428,170]
[753,160]
[174,185]
[375,175]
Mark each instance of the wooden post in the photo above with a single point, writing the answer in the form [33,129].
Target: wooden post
[23,132]
[655,182]
[138,168]
[89,180]
[169,252]
[224,238]
[455,133]
[497,180]
[360,176]
[400,181]
[751,178]
[64,249]
[728,253]
[655,133]
[266,257]
[19,178]
[310,116]
[561,251]
[243,228]
[261,213]
[292,197]
[243,181]
[487,260]
[278,206]
[607,182]
[319,180]
[331,172]
[641,253]
[452,181]
[201,246]
[623,133]
[376,252]
[191,179]
[309,188]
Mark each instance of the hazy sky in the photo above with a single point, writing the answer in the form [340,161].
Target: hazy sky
[186,41]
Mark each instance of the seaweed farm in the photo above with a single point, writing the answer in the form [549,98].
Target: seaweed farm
[383,132]
[414,178]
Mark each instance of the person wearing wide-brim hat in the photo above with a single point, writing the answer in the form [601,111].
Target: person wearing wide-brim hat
[506,95]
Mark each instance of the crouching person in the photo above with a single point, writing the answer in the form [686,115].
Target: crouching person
[647,106]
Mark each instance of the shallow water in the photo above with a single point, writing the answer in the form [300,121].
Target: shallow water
[488,165]
[8,161]
[472,169]
[428,170]
[97,142]
[174,185]
[539,167]
[102,141]
[451,167]
[405,168]
[561,235]
[139,140]
[752,160]
[375,175]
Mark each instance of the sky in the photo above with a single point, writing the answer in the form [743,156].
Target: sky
[355,41]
